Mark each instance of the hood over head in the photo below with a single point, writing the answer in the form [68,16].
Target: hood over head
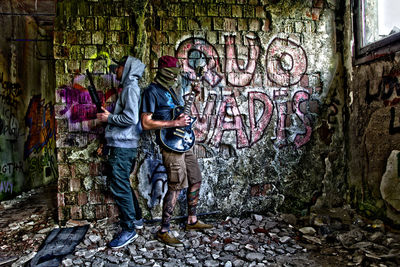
[133,70]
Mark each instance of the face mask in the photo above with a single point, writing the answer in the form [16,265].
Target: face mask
[166,77]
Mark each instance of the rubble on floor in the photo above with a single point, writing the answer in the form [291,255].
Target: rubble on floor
[339,237]
[25,221]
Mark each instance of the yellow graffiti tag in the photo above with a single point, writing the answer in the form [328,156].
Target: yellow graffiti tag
[100,56]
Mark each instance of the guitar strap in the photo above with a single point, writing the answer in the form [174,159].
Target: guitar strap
[174,97]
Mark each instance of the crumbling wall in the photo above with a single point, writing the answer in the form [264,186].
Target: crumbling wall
[269,130]
[27,123]
[373,131]
[374,135]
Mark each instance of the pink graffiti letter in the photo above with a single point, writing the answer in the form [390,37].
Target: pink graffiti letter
[286,62]
[230,119]
[204,122]
[258,126]
[281,123]
[235,75]
[197,52]
[299,98]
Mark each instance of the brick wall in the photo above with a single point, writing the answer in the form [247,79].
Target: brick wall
[270,108]
[207,19]
[269,114]
[87,35]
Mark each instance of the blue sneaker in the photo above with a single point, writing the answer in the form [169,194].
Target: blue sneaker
[123,239]
[139,224]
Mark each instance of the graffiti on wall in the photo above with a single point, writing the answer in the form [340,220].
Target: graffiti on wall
[234,74]
[39,148]
[6,187]
[40,120]
[43,164]
[286,62]
[10,133]
[394,125]
[7,170]
[157,180]
[388,91]
[9,125]
[10,92]
[234,103]
[292,98]
[9,99]
[78,106]
[333,112]
[200,53]
[27,131]
[10,168]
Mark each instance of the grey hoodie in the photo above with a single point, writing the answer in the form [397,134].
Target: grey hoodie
[123,128]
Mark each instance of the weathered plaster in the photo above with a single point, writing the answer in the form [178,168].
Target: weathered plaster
[270,127]
[372,129]
[27,124]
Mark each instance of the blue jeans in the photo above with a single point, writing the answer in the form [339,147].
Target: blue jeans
[121,162]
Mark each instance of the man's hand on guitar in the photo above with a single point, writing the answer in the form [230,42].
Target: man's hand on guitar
[182,120]
[103,117]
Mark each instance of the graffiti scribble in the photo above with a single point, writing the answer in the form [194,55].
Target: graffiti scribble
[6,186]
[40,118]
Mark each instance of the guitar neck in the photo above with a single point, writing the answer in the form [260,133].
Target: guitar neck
[189,102]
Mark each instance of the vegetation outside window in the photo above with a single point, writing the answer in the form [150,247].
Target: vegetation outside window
[377,28]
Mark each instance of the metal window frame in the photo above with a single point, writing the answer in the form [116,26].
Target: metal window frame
[375,50]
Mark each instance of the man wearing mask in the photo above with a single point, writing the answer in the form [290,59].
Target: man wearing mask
[158,103]
[122,134]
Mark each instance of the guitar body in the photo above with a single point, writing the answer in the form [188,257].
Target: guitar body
[179,139]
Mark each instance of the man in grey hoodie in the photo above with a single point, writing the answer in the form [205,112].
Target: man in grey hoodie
[122,134]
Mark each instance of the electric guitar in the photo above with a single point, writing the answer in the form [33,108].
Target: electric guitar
[180,139]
